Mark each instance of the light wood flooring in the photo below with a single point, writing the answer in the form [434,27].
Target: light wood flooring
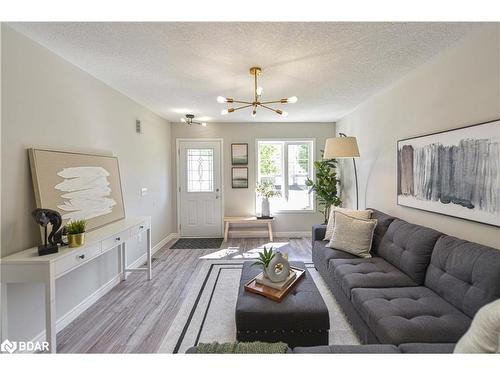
[135,315]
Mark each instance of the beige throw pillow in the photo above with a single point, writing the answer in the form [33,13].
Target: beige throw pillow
[483,335]
[360,214]
[353,235]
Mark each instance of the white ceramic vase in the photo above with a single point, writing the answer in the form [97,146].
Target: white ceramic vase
[265,207]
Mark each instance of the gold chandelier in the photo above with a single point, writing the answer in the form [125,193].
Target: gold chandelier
[256,72]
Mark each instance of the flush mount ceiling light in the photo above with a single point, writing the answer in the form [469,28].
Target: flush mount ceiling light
[255,72]
[189,120]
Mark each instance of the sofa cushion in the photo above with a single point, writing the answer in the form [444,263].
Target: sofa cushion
[367,273]
[347,349]
[412,314]
[465,274]
[423,348]
[323,254]
[383,222]
[409,248]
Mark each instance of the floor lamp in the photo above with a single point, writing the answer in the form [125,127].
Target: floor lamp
[343,147]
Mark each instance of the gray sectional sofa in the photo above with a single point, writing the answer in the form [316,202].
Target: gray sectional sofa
[418,292]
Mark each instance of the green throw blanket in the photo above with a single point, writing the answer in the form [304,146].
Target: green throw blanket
[256,347]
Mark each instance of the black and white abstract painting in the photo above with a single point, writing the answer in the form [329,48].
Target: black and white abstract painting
[454,172]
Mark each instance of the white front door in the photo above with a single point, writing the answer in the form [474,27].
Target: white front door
[200,193]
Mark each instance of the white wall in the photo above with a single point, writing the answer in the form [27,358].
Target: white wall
[460,86]
[48,102]
[241,202]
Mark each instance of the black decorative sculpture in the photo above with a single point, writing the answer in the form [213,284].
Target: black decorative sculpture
[44,216]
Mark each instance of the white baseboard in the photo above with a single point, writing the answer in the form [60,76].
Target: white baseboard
[248,234]
[71,315]
[163,242]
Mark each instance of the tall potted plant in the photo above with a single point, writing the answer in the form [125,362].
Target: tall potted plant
[325,185]
[266,190]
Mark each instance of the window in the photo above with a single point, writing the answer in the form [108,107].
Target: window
[286,164]
[200,171]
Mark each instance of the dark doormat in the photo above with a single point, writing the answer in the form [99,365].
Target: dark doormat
[197,243]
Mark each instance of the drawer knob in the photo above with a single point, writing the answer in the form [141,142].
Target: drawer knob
[81,256]
[117,238]
[141,227]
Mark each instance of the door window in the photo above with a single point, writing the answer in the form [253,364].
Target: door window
[200,170]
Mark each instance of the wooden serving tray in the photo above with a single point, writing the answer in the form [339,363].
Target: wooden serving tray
[271,293]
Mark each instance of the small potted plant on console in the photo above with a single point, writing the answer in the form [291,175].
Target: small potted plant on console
[76,232]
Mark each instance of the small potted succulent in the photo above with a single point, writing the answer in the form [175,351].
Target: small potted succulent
[76,232]
[264,259]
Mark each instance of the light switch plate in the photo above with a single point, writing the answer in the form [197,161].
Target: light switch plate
[144,191]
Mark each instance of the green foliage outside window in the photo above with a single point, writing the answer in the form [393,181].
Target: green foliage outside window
[267,159]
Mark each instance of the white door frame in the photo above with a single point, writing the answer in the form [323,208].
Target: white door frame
[177,167]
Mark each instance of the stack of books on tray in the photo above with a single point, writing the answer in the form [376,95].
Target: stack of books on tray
[260,279]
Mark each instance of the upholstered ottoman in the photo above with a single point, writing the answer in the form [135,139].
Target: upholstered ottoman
[300,319]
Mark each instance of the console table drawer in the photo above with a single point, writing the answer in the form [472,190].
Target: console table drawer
[76,258]
[115,240]
[140,228]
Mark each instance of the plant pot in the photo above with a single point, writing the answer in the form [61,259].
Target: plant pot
[265,208]
[76,240]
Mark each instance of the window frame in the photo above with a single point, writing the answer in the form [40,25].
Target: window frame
[284,168]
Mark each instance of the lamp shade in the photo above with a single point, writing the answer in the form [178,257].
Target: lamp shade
[341,147]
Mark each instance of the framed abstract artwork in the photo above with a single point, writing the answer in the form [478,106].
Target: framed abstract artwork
[239,177]
[78,186]
[454,172]
[239,153]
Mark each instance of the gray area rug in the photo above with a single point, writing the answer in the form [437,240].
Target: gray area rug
[197,243]
[207,314]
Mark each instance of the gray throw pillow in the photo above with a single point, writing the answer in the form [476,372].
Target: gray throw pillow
[353,235]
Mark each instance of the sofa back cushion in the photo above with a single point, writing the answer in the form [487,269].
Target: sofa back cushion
[465,274]
[383,222]
[409,248]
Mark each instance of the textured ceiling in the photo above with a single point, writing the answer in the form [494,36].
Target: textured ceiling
[174,68]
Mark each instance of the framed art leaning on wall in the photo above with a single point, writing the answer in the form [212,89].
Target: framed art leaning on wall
[453,172]
[78,186]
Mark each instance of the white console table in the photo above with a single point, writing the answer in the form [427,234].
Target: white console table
[27,266]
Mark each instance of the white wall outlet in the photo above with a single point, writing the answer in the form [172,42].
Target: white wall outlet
[144,191]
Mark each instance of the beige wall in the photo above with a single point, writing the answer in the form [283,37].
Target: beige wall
[47,102]
[241,202]
[459,87]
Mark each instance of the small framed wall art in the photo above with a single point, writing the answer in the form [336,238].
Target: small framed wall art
[239,177]
[239,153]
